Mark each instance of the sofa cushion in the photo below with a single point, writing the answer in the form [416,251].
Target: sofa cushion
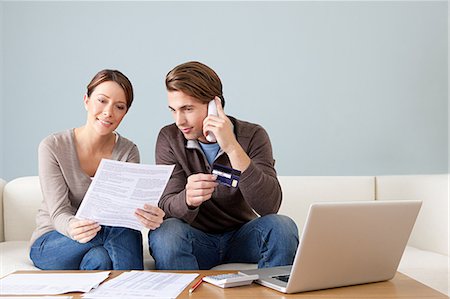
[431,231]
[22,198]
[149,262]
[299,192]
[14,256]
[235,266]
[427,267]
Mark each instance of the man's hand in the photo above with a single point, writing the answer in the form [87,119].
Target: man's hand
[150,216]
[199,188]
[222,128]
[83,231]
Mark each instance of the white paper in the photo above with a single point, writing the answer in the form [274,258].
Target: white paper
[138,284]
[37,297]
[42,283]
[119,188]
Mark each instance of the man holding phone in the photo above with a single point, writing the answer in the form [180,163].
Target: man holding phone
[222,198]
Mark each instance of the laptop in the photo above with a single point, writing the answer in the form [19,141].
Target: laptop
[344,244]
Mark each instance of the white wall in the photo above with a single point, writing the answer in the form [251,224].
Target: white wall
[343,88]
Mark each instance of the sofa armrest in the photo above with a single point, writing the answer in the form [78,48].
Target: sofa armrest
[22,199]
[2,232]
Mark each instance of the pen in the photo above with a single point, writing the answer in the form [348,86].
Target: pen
[196,285]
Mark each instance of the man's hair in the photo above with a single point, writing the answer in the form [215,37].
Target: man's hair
[196,80]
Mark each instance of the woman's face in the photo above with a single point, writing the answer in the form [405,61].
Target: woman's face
[106,107]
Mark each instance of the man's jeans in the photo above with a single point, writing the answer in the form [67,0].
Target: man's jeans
[113,248]
[270,241]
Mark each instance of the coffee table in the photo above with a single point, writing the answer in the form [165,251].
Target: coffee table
[401,286]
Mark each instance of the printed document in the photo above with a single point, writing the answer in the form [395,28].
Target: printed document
[119,188]
[139,284]
[50,283]
[37,297]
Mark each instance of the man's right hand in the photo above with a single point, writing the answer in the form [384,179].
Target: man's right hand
[83,231]
[199,188]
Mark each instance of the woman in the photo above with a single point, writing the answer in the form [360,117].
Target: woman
[67,162]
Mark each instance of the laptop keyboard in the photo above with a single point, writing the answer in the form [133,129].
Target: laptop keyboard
[284,278]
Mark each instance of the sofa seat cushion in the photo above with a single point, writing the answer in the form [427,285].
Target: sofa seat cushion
[427,267]
[15,255]
[235,266]
[149,262]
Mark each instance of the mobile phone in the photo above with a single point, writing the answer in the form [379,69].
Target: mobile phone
[212,110]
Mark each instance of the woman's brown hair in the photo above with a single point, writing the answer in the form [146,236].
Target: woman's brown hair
[115,76]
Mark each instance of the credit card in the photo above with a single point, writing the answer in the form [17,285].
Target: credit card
[226,176]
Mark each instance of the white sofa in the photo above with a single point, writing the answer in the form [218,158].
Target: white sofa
[425,259]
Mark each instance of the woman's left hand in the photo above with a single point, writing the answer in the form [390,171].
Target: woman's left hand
[150,216]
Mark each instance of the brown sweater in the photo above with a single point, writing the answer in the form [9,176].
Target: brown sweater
[64,183]
[258,191]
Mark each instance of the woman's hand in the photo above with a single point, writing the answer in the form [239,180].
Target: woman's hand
[83,231]
[150,216]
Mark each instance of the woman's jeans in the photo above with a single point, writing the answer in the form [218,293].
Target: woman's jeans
[113,248]
[270,241]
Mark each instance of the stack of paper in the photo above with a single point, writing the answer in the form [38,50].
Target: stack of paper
[36,297]
[138,284]
[41,283]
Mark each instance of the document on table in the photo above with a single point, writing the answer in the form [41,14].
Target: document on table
[119,188]
[36,297]
[42,283]
[139,284]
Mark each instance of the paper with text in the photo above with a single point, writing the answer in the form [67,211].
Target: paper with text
[42,283]
[139,284]
[37,297]
[119,188]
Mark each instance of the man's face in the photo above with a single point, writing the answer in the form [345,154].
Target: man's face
[188,113]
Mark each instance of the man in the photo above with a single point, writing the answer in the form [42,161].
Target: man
[207,223]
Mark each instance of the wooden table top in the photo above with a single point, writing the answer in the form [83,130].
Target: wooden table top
[401,286]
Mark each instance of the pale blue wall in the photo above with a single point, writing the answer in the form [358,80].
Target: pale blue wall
[343,88]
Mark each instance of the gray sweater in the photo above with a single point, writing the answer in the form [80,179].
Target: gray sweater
[64,183]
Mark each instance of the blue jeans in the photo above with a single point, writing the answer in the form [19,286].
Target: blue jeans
[113,248]
[270,241]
